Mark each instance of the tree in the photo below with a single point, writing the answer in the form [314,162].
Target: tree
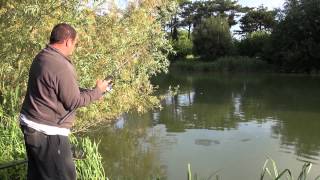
[212,38]
[259,19]
[105,42]
[191,14]
[296,39]
[187,15]
[254,44]
[182,47]
[228,9]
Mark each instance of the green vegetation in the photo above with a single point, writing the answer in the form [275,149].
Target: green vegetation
[91,166]
[254,45]
[212,39]
[296,38]
[183,46]
[25,28]
[273,172]
[268,170]
[286,38]
[224,64]
[12,145]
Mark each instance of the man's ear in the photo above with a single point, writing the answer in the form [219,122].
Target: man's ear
[67,42]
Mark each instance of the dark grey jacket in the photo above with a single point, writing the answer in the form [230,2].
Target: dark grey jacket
[53,90]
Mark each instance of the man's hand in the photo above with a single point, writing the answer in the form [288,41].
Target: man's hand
[110,83]
[102,85]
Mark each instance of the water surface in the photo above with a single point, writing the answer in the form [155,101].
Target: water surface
[222,124]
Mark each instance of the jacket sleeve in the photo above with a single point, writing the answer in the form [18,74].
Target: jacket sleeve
[69,93]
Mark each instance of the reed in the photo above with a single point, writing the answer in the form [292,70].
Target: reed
[271,170]
[224,64]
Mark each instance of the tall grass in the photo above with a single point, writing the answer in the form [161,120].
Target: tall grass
[13,148]
[224,64]
[213,176]
[91,166]
[269,169]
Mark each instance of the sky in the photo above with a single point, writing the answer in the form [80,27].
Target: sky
[251,3]
[271,4]
[268,3]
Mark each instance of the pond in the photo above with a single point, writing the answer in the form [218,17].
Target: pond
[222,124]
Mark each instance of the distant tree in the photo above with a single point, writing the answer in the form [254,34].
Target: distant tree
[174,22]
[182,47]
[228,9]
[254,44]
[212,38]
[190,14]
[259,19]
[187,15]
[296,40]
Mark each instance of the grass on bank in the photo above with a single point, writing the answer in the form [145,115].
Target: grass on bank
[13,148]
[223,64]
[269,170]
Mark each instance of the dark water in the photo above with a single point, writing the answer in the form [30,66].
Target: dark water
[225,125]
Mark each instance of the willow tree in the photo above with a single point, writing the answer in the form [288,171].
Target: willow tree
[212,38]
[108,37]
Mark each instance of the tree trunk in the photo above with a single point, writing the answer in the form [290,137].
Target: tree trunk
[189,31]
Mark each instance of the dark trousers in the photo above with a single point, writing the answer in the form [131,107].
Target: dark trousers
[49,157]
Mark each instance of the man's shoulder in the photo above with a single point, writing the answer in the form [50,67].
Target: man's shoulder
[52,61]
[50,66]
[50,56]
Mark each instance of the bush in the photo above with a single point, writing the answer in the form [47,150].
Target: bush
[225,64]
[183,46]
[212,38]
[254,44]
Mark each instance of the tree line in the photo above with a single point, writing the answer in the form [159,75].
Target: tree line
[287,37]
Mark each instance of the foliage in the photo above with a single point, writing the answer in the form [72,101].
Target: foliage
[190,14]
[296,39]
[254,44]
[101,49]
[259,19]
[228,9]
[183,46]
[225,64]
[212,39]
[108,38]
[12,145]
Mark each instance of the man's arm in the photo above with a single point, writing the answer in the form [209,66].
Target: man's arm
[83,90]
[69,92]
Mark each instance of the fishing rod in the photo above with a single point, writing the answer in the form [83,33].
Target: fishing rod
[12,164]
[108,78]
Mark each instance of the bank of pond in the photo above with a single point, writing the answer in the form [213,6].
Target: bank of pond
[242,64]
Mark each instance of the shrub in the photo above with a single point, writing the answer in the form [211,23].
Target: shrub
[212,38]
[183,46]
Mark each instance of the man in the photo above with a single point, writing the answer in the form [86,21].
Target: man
[52,93]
